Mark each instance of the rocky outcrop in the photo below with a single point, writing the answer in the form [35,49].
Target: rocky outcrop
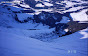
[48,18]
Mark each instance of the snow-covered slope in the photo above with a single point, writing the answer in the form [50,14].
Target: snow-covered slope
[80,16]
[13,44]
[7,19]
[43,28]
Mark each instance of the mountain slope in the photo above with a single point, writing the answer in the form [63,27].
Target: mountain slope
[13,44]
[43,28]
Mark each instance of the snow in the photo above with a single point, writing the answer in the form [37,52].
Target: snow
[80,16]
[47,4]
[15,45]
[66,30]
[23,16]
[18,44]
[15,8]
[3,9]
[73,9]
[37,13]
[39,5]
[26,32]
[9,20]
[19,40]
[25,5]
[47,0]
[72,43]
[42,0]
[70,4]
[40,10]
[37,0]
[84,33]
[56,22]
[57,3]
[64,20]
[83,22]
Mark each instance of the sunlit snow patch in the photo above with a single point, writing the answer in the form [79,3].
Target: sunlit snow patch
[39,5]
[46,0]
[84,33]
[48,4]
[80,16]
[66,30]
[40,10]
[36,0]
